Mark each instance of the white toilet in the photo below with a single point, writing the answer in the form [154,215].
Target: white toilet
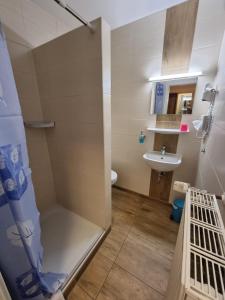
[114,177]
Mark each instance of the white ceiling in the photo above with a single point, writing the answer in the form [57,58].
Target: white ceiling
[116,12]
[119,12]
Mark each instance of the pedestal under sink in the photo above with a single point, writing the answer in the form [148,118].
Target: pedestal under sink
[163,163]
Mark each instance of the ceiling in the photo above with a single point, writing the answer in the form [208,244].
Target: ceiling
[116,12]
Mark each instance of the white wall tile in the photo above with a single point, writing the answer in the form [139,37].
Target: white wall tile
[205,59]
[211,167]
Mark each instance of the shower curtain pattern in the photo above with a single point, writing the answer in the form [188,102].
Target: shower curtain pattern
[21,252]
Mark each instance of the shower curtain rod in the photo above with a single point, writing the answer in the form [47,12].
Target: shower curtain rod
[69,9]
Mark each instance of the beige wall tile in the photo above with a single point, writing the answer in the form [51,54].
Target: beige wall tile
[26,25]
[136,54]
[21,56]
[14,5]
[75,93]
[13,24]
[32,12]
[41,169]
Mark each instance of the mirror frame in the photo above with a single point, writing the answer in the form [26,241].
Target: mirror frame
[177,81]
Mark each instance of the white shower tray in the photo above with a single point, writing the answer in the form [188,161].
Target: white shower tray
[67,239]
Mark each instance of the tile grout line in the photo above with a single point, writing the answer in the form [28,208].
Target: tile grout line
[112,265]
[114,262]
[85,292]
[135,276]
[135,214]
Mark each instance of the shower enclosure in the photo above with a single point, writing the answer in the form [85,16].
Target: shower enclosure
[73,73]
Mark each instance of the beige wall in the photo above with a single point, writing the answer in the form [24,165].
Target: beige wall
[74,81]
[136,55]
[107,91]
[26,26]
[211,167]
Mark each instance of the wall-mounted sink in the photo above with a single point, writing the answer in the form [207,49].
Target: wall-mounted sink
[163,163]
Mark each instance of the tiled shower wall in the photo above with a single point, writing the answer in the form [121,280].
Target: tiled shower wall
[27,26]
[211,168]
[74,77]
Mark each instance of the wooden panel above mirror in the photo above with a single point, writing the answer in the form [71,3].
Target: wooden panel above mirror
[178,38]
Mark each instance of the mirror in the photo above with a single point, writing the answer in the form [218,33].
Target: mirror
[174,96]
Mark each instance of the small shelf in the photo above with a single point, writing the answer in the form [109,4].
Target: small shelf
[39,124]
[166,130]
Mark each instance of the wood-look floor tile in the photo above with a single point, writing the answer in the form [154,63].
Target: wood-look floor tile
[112,244]
[78,294]
[152,229]
[147,261]
[94,276]
[153,220]
[120,285]
[156,207]
[141,243]
[122,220]
[127,202]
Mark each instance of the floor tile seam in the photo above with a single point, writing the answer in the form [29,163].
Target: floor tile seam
[85,292]
[139,279]
[113,264]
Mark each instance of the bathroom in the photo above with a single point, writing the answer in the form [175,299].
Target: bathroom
[113,110]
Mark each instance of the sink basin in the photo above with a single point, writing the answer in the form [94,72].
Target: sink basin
[162,163]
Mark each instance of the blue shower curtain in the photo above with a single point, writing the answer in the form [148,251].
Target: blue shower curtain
[21,252]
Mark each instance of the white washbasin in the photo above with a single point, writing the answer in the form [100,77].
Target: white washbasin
[163,163]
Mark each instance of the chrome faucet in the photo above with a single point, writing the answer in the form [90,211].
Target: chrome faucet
[163,150]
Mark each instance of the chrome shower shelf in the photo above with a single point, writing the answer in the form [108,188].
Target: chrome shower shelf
[39,124]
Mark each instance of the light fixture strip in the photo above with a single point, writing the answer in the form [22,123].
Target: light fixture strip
[174,77]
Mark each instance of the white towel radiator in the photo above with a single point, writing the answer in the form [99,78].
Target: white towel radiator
[198,270]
